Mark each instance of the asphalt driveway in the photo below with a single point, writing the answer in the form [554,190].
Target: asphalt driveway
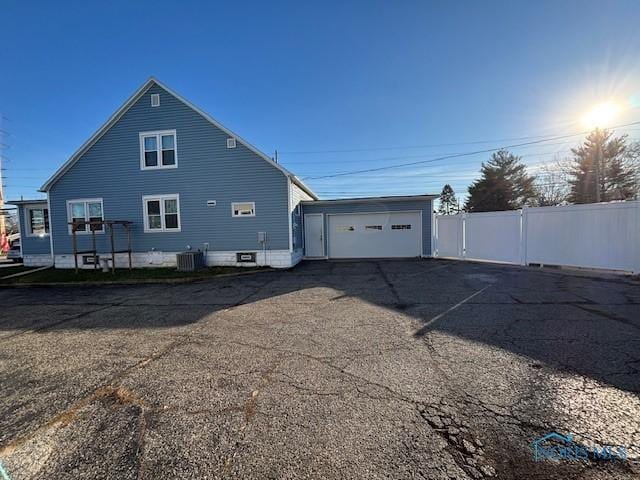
[386,369]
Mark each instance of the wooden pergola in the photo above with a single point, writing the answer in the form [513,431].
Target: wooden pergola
[82,225]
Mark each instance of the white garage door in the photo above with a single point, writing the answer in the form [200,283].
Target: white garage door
[375,235]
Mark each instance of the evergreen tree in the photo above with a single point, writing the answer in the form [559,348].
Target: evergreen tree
[504,185]
[448,201]
[600,163]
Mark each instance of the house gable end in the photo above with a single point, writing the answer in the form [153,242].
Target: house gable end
[142,100]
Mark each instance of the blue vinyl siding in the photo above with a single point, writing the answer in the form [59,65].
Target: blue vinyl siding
[32,245]
[207,170]
[426,206]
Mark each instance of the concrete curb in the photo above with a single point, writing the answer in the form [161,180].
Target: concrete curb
[146,281]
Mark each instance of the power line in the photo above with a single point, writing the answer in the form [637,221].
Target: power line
[539,154]
[397,157]
[447,157]
[432,145]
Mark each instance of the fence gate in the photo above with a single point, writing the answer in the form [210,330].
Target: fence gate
[449,236]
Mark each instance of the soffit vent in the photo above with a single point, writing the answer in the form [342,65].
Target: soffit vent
[155,99]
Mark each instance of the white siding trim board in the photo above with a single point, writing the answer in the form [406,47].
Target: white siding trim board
[269,258]
[36,260]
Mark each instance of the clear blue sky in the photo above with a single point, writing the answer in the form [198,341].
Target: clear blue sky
[299,77]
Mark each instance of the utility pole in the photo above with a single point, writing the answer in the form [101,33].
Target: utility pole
[3,229]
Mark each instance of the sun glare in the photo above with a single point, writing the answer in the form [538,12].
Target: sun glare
[601,115]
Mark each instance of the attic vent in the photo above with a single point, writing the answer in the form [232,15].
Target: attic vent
[231,143]
[155,99]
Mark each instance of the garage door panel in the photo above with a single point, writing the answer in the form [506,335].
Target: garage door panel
[375,235]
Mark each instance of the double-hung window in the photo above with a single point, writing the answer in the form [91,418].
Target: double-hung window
[161,213]
[83,212]
[158,150]
[37,221]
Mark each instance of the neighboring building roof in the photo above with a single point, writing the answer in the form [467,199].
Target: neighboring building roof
[398,198]
[123,109]
[24,202]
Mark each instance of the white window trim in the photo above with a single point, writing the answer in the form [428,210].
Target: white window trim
[161,199]
[233,209]
[27,221]
[158,134]
[86,217]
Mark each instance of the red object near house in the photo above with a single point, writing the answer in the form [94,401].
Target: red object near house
[4,243]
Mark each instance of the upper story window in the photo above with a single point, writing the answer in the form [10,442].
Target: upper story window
[158,150]
[161,213]
[37,221]
[83,212]
[243,209]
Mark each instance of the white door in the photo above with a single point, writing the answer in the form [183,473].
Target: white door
[314,235]
[375,235]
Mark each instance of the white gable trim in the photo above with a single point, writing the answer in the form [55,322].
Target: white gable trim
[125,107]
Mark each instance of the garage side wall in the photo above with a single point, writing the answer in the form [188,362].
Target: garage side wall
[425,206]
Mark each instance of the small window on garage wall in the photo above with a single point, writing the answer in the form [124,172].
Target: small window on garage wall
[373,227]
[400,227]
[346,228]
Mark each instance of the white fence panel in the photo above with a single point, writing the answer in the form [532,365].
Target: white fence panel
[599,235]
[493,236]
[449,236]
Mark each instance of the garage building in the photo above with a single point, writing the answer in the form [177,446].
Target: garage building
[375,227]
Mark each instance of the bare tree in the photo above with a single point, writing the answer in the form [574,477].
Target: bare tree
[11,224]
[552,183]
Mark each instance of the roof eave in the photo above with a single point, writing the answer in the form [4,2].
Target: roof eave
[303,186]
[400,198]
[25,202]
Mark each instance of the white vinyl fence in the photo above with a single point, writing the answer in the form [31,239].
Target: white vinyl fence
[599,235]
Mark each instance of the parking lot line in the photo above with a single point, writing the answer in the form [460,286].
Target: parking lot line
[424,328]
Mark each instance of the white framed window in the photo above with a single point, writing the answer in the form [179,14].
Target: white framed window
[155,99]
[85,210]
[243,209]
[158,150]
[231,142]
[161,213]
[37,221]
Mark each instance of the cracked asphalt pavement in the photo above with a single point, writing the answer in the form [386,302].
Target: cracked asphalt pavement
[374,369]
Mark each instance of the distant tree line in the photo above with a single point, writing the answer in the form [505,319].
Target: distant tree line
[603,168]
